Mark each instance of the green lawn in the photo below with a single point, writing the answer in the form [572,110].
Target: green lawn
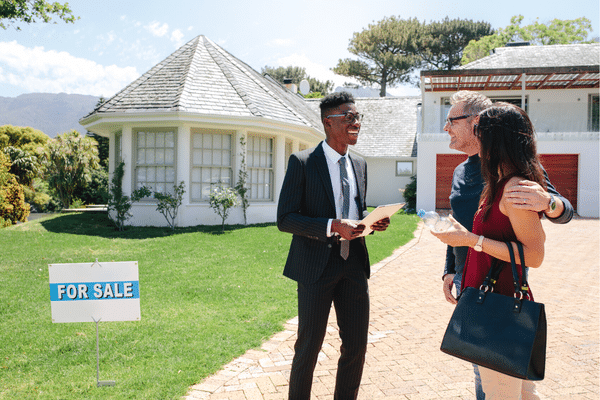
[206,298]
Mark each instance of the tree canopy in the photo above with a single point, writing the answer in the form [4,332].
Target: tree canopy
[70,160]
[441,44]
[297,74]
[387,52]
[25,138]
[390,50]
[28,11]
[556,31]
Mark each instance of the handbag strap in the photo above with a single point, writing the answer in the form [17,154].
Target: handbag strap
[521,285]
[492,275]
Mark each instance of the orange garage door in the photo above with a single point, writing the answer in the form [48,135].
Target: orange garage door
[561,168]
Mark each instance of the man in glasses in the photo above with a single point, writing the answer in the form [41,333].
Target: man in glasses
[322,198]
[467,185]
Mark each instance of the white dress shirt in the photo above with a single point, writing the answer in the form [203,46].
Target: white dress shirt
[333,158]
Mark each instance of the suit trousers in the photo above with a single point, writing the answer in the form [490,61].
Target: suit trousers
[343,283]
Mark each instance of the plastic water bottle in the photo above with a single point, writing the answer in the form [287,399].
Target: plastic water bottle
[433,221]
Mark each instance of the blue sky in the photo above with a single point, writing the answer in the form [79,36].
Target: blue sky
[115,42]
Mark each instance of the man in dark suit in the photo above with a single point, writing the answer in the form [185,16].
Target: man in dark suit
[322,198]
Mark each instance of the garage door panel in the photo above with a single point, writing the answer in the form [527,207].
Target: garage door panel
[562,170]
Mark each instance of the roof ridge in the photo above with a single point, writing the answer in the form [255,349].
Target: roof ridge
[142,79]
[246,70]
[186,73]
[218,57]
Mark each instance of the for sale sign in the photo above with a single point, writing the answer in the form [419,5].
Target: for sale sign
[108,291]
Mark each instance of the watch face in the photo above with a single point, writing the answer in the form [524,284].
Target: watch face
[552,203]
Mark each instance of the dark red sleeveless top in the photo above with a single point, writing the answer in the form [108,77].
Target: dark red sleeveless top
[496,226]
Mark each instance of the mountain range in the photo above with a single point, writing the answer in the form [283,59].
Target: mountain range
[50,113]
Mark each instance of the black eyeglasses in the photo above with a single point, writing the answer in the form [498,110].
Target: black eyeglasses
[451,120]
[349,117]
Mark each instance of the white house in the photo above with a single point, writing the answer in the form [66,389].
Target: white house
[183,121]
[558,87]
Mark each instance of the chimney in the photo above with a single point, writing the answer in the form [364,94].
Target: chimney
[287,82]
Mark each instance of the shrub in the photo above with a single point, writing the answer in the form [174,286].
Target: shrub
[13,207]
[410,195]
[168,204]
[119,203]
[222,200]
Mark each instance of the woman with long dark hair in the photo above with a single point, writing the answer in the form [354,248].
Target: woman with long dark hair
[508,154]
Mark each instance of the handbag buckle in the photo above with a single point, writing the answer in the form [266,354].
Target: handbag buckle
[485,288]
[520,294]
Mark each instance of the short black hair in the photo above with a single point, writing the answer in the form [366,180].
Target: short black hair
[334,100]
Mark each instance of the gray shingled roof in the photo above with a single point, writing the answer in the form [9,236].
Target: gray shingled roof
[389,128]
[201,77]
[561,55]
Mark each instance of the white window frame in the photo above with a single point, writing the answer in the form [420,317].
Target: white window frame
[260,156]
[211,160]
[159,145]
[401,172]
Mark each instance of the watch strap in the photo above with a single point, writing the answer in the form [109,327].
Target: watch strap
[478,246]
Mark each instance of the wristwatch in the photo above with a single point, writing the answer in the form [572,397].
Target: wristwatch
[552,204]
[479,243]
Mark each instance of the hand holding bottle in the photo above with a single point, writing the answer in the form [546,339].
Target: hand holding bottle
[433,221]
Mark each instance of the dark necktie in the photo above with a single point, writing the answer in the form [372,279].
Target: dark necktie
[345,244]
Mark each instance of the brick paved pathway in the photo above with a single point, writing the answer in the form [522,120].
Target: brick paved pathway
[408,319]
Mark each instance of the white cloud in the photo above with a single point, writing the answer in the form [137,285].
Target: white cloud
[38,70]
[281,42]
[177,38]
[158,30]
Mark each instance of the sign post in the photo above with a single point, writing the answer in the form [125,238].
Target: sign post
[92,292]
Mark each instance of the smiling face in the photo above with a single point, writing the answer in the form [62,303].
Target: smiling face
[340,134]
[461,133]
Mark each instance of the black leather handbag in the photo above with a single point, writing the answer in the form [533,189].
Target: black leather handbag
[498,332]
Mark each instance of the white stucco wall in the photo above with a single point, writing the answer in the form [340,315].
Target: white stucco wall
[199,213]
[550,110]
[383,184]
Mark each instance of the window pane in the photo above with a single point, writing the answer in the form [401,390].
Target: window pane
[197,157]
[150,156]
[141,140]
[197,141]
[150,139]
[141,156]
[207,157]
[160,156]
[169,157]
[404,168]
[170,140]
[160,174]
[196,175]
[141,175]
[170,178]
[160,139]
[196,190]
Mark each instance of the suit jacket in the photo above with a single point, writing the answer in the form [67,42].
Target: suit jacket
[306,204]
